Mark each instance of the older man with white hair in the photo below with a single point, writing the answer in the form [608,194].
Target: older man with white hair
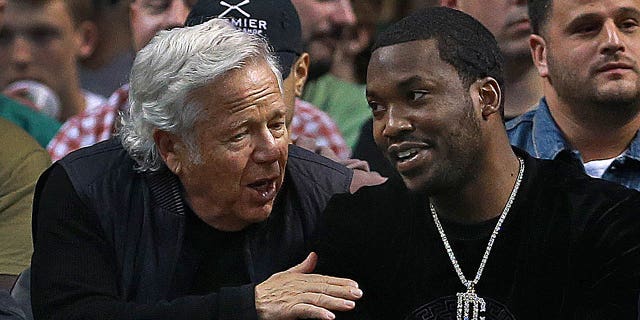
[200,208]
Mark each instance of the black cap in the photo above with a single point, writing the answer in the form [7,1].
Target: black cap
[276,20]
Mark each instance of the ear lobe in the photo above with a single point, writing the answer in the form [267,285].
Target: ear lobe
[538,48]
[169,148]
[301,72]
[490,97]
[87,37]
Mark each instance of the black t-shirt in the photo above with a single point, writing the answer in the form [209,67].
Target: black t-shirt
[568,249]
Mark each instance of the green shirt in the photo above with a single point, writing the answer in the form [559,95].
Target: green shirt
[39,126]
[345,102]
[22,161]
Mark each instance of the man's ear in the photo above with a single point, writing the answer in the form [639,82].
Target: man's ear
[538,47]
[87,36]
[170,149]
[489,96]
[301,72]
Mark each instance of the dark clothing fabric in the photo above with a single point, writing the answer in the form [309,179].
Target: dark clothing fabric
[568,249]
[9,309]
[111,243]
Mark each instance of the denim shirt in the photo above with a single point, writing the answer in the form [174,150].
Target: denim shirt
[537,133]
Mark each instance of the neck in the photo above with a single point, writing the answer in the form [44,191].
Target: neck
[484,197]
[72,102]
[596,131]
[523,87]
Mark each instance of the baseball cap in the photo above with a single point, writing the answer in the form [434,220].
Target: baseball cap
[276,20]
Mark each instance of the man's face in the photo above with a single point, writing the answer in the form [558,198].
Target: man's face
[592,51]
[147,17]
[424,118]
[322,23]
[510,27]
[242,140]
[39,43]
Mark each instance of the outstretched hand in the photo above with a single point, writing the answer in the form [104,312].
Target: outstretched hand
[298,294]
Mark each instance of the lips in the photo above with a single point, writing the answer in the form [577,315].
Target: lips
[614,66]
[408,155]
[265,189]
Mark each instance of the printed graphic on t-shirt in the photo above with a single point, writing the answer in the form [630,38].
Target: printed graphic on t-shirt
[445,309]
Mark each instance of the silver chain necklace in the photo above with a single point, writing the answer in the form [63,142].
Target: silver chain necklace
[469,304]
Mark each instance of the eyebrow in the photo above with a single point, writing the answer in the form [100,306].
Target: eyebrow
[410,82]
[591,16]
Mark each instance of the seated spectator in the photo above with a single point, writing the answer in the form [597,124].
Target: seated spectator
[482,230]
[200,208]
[22,161]
[588,54]
[40,46]
[511,28]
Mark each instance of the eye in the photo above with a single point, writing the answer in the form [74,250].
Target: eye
[238,137]
[277,128]
[418,95]
[44,35]
[629,25]
[587,28]
[156,6]
[6,37]
[376,108]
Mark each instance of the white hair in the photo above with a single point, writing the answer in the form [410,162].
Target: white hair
[172,65]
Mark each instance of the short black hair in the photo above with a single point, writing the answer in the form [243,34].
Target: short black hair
[539,13]
[462,41]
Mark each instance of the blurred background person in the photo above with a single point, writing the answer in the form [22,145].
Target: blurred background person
[340,92]
[107,68]
[40,45]
[146,17]
[512,28]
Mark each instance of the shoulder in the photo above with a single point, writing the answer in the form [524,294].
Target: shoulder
[306,166]
[39,126]
[307,112]
[522,123]
[20,150]
[104,160]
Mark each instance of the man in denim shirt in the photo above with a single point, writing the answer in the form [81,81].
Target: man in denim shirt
[587,53]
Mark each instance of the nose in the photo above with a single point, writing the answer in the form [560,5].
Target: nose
[344,14]
[612,42]
[396,124]
[21,54]
[266,148]
[177,13]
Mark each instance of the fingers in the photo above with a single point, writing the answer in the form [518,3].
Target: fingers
[307,265]
[291,294]
[308,311]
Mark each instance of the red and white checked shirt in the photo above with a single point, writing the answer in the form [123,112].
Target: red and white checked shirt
[97,124]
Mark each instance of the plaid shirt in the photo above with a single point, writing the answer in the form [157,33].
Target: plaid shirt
[90,126]
[97,124]
[309,121]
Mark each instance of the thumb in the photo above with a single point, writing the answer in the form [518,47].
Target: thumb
[307,265]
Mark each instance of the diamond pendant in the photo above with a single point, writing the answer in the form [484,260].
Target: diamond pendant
[470,306]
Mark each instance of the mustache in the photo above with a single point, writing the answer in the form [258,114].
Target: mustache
[617,58]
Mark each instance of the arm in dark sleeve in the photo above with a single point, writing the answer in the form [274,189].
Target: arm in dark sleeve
[611,281]
[75,273]
[334,241]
